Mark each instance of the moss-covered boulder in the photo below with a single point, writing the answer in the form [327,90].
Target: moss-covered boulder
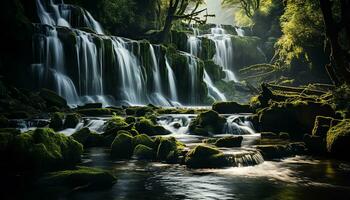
[122,146]
[72,120]
[271,152]
[139,111]
[206,157]
[52,98]
[44,150]
[322,125]
[144,152]
[56,121]
[231,107]
[338,140]
[229,141]
[90,106]
[81,177]
[168,149]
[207,123]
[88,138]
[115,124]
[144,140]
[146,126]
[296,118]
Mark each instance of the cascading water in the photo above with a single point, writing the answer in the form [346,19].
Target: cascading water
[214,93]
[194,42]
[171,79]
[224,51]
[240,31]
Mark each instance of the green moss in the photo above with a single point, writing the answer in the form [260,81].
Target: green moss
[122,146]
[144,152]
[207,123]
[72,120]
[139,111]
[205,157]
[115,124]
[338,139]
[44,150]
[86,177]
[56,121]
[168,149]
[88,138]
[229,141]
[146,126]
[144,140]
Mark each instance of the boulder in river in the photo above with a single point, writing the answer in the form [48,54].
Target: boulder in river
[122,147]
[229,141]
[207,123]
[338,140]
[231,107]
[88,138]
[203,156]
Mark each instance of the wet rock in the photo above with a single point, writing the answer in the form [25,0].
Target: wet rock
[95,112]
[296,118]
[167,149]
[338,140]
[122,146]
[231,107]
[139,111]
[322,125]
[268,135]
[206,157]
[72,120]
[79,178]
[146,126]
[143,152]
[91,106]
[229,141]
[43,150]
[144,140]
[271,152]
[56,121]
[207,123]
[284,136]
[88,138]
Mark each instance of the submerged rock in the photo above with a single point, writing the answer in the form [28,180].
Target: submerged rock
[207,123]
[122,146]
[231,107]
[71,120]
[88,138]
[206,157]
[229,141]
[146,126]
[144,152]
[79,178]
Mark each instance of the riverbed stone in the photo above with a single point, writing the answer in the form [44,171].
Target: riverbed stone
[207,123]
[122,147]
[56,121]
[338,140]
[203,156]
[229,141]
[146,126]
[144,140]
[144,152]
[88,138]
[72,120]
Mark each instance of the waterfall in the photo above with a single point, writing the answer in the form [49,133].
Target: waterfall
[172,83]
[194,42]
[214,93]
[193,78]
[224,51]
[237,126]
[240,31]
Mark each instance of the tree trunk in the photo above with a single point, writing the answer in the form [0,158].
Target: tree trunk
[339,63]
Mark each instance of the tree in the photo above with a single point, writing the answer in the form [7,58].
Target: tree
[249,6]
[178,10]
[338,38]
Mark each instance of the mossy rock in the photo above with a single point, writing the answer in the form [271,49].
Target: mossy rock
[95,112]
[88,138]
[338,140]
[122,146]
[56,121]
[296,118]
[168,149]
[207,123]
[231,107]
[268,135]
[322,125]
[229,141]
[81,177]
[144,140]
[143,152]
[44,150]
[52,98]
[146,126]
[115,124]
[203,156]
[271,152]
[72,120]
[130,119]
[139,111]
